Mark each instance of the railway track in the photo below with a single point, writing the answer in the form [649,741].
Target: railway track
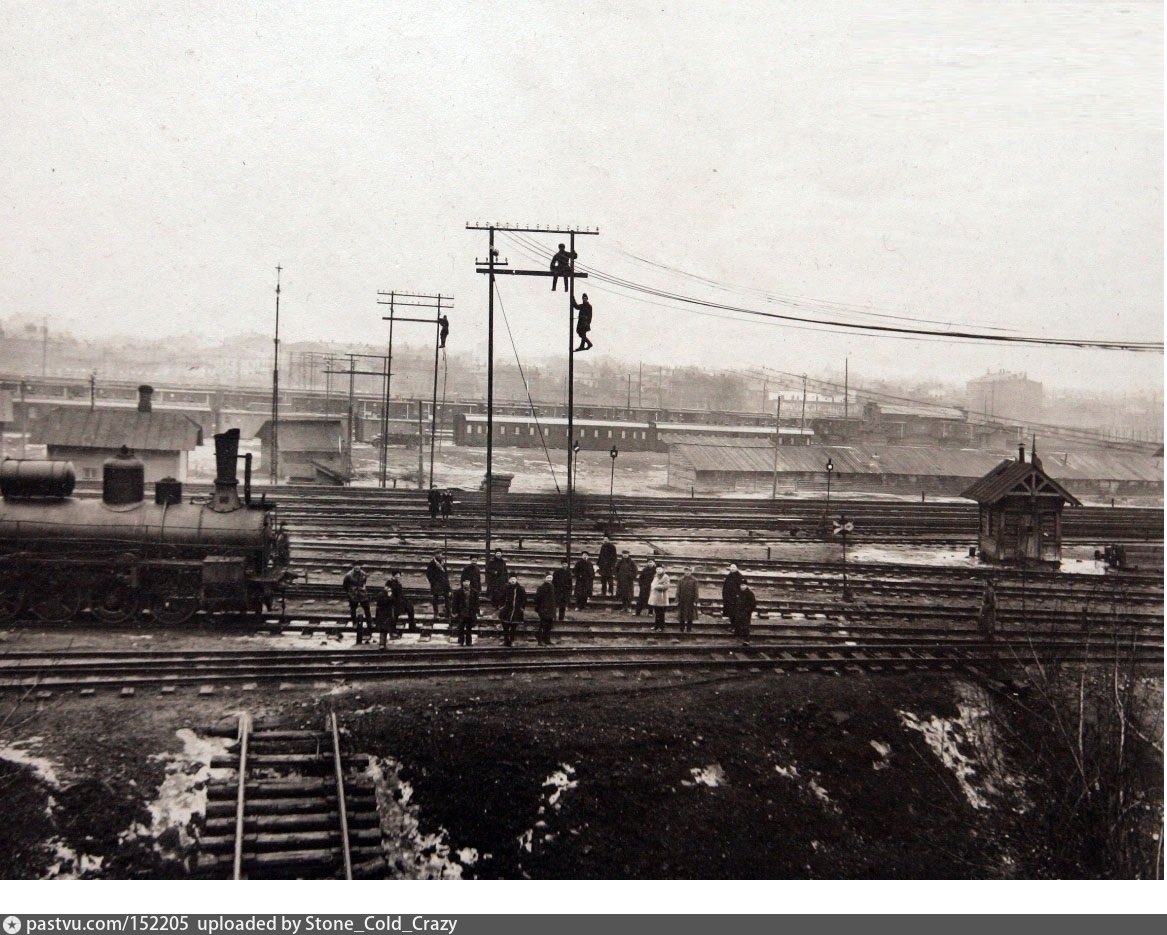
[291,804]
[127,671]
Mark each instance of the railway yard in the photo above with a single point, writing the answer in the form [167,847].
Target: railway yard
[874,732]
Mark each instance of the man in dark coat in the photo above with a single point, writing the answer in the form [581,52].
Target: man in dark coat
[743,611]
[687,596]
[585,575]
[607,565]
[583,324]
[439,579]
[386,620]
[987,621]
[496,577]
[647,573]
[561,267]
[443,329]
[447,501]
[473,575]
[514,599]
[625,581]
[464,613]
[545,608]
[401,603]
[729,592]
[354,584]
[561,580]
[434,499]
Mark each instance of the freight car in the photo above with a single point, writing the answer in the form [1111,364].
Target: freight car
[121,555]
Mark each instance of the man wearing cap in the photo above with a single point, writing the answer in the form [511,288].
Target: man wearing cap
[561,266]
[687,596]
[545,608]
[607,565]
[729,593]
[354,584]
[514,599]
[625,581]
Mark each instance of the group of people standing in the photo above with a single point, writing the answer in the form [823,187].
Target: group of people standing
[650,586]
[391,603]
[440,501]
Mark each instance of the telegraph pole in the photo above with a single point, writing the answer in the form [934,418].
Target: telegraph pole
[777,441]
[274,469]
[491,267]
[439,303]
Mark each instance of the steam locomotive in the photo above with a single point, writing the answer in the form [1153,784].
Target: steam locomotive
[122,556]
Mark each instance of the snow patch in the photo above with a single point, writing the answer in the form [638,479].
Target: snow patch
[712,775]
[413,855]
[44,769]
[558,782]
[812,783]
[69,864]
[968,748]
[884,751]
[561,782]
[182,795]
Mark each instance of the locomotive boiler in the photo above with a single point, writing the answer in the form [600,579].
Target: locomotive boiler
[121,556]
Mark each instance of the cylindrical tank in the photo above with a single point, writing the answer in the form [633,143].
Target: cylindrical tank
[123,479]
[25,479]
[168,491]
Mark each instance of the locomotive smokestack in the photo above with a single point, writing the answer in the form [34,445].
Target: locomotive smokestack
[145,394]
[226,496]
[1021,454]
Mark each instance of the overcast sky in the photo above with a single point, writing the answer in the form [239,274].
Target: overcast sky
[988,165]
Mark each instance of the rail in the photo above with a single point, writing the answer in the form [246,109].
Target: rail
[340,806]
[244,732]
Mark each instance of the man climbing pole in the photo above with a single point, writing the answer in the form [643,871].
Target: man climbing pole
[561,266]
[444,330]
[583,323]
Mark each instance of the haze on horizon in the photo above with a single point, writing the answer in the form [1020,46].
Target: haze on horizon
[981,166]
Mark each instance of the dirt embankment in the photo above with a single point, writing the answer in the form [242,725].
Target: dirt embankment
[755,776]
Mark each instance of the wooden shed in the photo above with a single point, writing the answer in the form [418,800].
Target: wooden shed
[1020,512]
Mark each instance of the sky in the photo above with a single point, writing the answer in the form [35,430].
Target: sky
[973,165]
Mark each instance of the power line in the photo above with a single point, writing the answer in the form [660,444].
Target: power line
[873,329]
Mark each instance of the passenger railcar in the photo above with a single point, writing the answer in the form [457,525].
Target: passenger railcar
[121,555]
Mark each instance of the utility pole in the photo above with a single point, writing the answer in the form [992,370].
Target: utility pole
[630,396]
[348,446]
[93,391]
[45,348]
[274,467]
[777,440]
[803,423]
[492,267]
[846,394]
[439,303]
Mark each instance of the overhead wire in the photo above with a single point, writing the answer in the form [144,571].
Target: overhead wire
[527,389]
[870,329]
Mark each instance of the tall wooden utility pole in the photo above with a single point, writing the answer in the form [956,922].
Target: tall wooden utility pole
[439,303]
[777,441]
[803,422]
[274,467]
[846,394]
[492,267]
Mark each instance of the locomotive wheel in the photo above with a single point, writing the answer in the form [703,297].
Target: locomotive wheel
[174,608]
[115,601]
[58,603]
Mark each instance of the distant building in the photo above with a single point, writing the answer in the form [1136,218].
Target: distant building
[312,451]
[1005,395]
[161,440]
[945,426]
